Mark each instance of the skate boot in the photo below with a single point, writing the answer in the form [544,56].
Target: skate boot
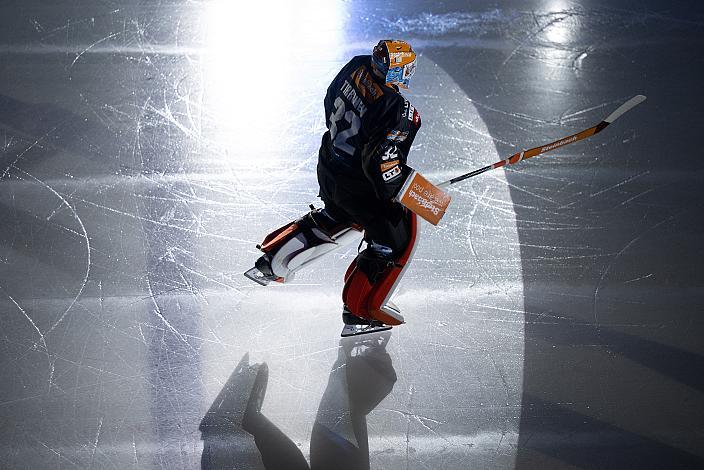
[262,273]
[355,325]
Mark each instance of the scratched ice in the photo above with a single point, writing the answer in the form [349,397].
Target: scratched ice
[553,318]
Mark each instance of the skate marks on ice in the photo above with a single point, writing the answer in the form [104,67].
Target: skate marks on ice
[162,198]
[458,357]
[608,235]
[462,296]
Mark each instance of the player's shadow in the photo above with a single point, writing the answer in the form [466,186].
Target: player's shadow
[361,377]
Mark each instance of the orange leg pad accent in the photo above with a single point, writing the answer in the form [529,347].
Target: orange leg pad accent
[378,294]
[356,292]
[384,318]
[366,300]
[350,270]
[278,236]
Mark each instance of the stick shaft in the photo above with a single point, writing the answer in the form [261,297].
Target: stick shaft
[525,154]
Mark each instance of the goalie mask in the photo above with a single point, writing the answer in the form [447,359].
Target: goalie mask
[395,61]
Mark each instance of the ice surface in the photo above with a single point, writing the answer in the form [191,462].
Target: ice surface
[553,318]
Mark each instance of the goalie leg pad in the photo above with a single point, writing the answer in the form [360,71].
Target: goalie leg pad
[350,270]
[373,278]
[367,269]
[291,247]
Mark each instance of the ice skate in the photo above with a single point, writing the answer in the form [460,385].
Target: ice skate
[261,273]
[355,326]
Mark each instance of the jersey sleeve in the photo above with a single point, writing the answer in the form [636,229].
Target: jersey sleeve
[385,158]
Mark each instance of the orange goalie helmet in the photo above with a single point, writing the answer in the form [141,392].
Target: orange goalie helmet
[394,60]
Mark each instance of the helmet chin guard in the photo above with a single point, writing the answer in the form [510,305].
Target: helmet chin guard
[394,60]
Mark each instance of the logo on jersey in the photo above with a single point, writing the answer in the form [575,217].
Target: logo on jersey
[410,113]
[397,135]
[392,173]
[390,153]
[416,117]
[388,165]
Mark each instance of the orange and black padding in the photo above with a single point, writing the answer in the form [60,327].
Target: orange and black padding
[350,270]
[277,237]
[365,297]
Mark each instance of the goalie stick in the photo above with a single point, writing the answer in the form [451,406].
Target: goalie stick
[517,157]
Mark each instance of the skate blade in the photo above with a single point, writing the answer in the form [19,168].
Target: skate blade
[257,276]
[356,330]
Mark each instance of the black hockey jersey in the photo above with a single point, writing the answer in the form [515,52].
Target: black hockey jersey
[371,127]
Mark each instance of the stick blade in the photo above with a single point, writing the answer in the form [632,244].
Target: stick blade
[625,107]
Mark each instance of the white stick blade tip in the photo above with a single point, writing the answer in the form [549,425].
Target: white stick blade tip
[635,101]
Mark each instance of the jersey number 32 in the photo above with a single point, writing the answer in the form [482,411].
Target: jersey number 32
[340,139]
